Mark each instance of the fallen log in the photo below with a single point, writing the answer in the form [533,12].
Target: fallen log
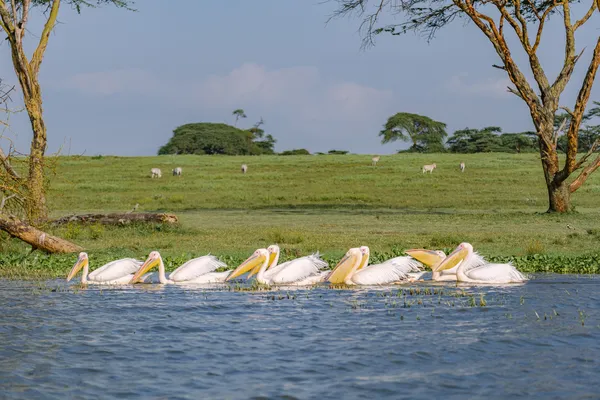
[117,219]
[36,238]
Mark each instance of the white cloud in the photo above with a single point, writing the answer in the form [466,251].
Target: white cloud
[300,91]
[461,84]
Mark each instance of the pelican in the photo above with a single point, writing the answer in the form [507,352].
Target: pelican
[273,269]
[118,272]
[353,270]
[196,270]
[473,268]
[433,258]
[301,271]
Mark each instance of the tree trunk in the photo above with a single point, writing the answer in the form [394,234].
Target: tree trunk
[36,238]
[559,196]
[36,208]
[118,219]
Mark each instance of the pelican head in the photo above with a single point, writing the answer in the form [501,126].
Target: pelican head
[351,260]
[82,261]
[152,261]
[257,259]
[431,258]
[460,253]
[273,255]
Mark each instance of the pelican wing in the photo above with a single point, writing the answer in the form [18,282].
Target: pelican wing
[387,272]
[313,279]
[495,273]
[474,261]
[299,269]
[210,277]
[407,262]
[271,272]
[115,270]
[196,267]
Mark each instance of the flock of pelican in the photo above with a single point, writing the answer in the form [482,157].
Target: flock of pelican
[462,265]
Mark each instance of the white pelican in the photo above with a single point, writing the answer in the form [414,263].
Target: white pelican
[273,269]
[196,270]
[473,268]
[118,272]
[301,271]
[353,269]
[433,258]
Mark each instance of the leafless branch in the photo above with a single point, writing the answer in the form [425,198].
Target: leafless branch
[584,19]
[587,155]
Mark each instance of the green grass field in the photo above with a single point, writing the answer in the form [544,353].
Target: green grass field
[325,203]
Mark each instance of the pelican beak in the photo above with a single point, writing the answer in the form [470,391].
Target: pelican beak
[252,261]
[343,268]
[81,262]
[363,261]
[254,271]
[272,256]
[452,260]
[427,257]
[148,264]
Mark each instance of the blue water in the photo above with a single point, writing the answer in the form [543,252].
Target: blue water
[150,341]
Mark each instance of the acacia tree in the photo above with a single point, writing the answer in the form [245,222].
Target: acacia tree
[239,113]
[14,16]
[526,20]
[425,134]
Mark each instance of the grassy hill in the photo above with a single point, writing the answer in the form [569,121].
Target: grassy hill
[325,203]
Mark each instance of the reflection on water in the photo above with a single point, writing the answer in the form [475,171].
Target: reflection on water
[539,340]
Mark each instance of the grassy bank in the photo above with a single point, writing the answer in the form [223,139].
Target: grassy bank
[325,203]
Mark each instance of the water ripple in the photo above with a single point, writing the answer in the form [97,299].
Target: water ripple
[539,340]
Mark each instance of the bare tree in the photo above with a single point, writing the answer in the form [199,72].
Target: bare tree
[526,19]
[14,16]
[13,189]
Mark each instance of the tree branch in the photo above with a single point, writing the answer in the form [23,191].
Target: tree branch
[38,54]
[577,115]
[587,171]
[7,23]
[538,36]
[570,58]
[513,91]
[584,19]
[7,165]
[497,39]
[587,155]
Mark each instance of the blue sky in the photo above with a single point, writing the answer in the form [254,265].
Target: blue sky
[117,82]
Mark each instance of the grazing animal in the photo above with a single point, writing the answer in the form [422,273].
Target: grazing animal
[429,168]
[462,167]
[244,168]
[177,171]
[156,173]
[374,160]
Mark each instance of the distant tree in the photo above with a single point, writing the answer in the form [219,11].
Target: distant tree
[338,152]
[589,136]
[476,140]
[295,152]
[519,142]
[239,113]
[14,20]
[425,134]
[513,27]
[211,138]
[257,137]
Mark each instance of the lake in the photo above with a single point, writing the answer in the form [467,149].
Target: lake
[423,341]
